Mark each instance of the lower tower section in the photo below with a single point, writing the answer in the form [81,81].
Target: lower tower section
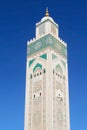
[47,102]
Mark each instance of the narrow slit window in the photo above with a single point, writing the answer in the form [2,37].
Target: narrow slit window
[31,76]
[44,71]
[34,95]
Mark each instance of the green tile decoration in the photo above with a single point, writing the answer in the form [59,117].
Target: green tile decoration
[37,66]
[44,56]
[59,69]
[64,64]
[44,42]
[31,61]
[54,56]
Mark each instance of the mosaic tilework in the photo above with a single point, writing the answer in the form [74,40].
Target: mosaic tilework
[44,42]
[54,56]
[64,64]
[37,66]
[58,68]
[44,56]
[31,61]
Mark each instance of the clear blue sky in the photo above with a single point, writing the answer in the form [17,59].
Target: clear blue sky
[17,25]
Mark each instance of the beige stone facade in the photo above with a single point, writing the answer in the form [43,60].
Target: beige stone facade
[47,95]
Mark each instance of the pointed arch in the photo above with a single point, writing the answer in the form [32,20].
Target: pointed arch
[59,69]
[57,64]
[37,66]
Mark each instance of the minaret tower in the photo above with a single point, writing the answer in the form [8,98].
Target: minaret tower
[47,95]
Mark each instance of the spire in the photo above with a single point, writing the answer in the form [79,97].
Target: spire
[47,12]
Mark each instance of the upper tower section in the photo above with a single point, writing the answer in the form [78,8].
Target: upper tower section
[46,26]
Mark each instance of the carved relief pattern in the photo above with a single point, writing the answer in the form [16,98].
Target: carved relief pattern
[53,29]
[37,105]
[54,110]
[44,102]
[42,29]
[30,104]
[64,105]
[59,106]
[59,100]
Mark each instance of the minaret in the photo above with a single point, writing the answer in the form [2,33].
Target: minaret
[47,95]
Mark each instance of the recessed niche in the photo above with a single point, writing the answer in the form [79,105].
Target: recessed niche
[40,93]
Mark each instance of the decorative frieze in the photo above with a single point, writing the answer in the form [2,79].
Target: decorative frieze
[46,41]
